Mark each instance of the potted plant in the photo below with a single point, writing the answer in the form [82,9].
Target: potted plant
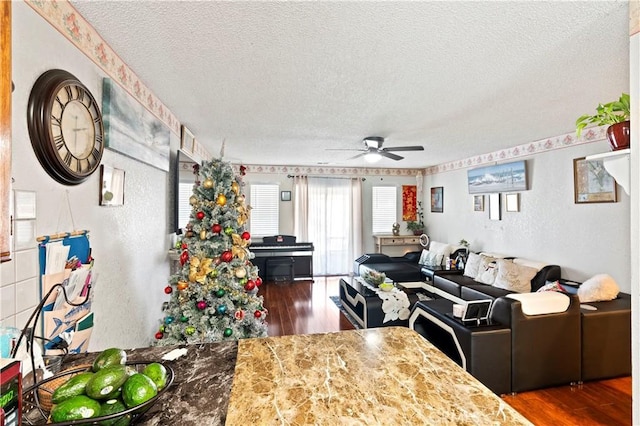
[616,114]
[417,226]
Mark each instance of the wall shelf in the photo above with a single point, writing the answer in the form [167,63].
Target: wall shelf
[617,164]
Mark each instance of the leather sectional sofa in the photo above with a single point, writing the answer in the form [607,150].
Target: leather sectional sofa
[519,352]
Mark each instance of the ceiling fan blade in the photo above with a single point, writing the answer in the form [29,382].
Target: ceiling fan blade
[358,156]
[343,149]
[390,155]
[404,148]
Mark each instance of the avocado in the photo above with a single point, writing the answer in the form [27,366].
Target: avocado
[138,389]
[156,372]
[72,387]
[111,356]
[113,406]
[75,408]
[106,381]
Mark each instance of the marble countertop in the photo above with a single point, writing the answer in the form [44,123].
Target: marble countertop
[374,376]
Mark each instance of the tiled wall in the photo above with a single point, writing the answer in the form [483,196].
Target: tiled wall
[19,287]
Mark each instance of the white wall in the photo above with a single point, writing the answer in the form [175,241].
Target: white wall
[130,243]
[584,239]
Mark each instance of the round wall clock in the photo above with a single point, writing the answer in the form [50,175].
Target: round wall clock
[65,127]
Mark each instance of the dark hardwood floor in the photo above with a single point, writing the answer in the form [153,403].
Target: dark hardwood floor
[304,307]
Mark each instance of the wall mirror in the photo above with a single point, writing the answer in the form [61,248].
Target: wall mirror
[185,178]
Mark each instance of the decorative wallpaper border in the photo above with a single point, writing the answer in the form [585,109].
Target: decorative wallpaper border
[68,21]
[593,134]
[634,17]
[328,171]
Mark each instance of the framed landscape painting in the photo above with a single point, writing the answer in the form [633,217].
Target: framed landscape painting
[507,177]
[131,129]
[592,183]
[437,199]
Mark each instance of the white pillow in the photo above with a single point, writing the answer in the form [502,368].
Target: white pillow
[549,302]
[494,255]
[440,248]
[598,289]
[473,263]
[530,263]
[514,277]
[487,270]
[424,257]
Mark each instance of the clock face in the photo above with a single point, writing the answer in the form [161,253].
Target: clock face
[65,126]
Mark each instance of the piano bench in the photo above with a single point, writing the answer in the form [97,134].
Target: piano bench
[280,269]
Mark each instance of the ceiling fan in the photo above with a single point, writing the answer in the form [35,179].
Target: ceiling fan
[373,150]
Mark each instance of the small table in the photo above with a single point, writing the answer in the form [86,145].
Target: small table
[365,304]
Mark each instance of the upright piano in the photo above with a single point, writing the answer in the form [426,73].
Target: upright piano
[281,258]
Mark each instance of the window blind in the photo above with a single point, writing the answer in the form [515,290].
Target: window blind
[265,209]
[383,208]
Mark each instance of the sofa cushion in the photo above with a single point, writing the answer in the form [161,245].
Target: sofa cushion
[514,277]
[473,263]
[549,302]
[530,263]
[552,286]
[598,288]
[476,291]
[487,270]
[440,248]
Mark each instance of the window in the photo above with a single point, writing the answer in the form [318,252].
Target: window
[383,208]
[265,209]
[185,191]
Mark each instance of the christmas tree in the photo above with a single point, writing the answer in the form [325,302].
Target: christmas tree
[214,293]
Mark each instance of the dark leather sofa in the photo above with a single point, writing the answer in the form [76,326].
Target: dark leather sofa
[399,269]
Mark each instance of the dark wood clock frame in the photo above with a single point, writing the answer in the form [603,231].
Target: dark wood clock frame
[55,92]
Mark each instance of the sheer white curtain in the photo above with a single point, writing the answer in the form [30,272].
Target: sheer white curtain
[301,208]
[328,213]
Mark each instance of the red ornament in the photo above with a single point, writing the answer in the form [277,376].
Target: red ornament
[246,236]
[257,314]
[159,335]
[243,170]
[226,256]
[258,281]
[200,215]
[184,257]
[250,285]
[216,228]
[168,289]
[239,315]
[184,246]
[202,305]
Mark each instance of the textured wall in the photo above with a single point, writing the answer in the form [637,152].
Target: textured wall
[128,244]
[584,239]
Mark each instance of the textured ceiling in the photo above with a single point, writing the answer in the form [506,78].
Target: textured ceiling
[284,81]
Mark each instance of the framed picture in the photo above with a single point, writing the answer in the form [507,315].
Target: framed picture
[437,199]
[498,178]
[512,202]
[285,195]
[478,203]
[111,186]
[494,206]
[187,139]
[592,183]
[131,129]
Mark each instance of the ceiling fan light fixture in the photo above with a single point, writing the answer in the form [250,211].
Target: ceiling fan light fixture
[372,157]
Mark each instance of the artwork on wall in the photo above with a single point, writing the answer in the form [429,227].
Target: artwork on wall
[512,202]
[111,186]
[494,206]
[437,199]
[187,139]
[498,178]
[592,183]
[409,202]
[285,195]
[131,129]
[478,203]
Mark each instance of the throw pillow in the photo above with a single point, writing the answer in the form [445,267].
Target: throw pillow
[424,257]
[599,288]
[440,248]
[552,286]
[514,277]
[473,263]
[487,270]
